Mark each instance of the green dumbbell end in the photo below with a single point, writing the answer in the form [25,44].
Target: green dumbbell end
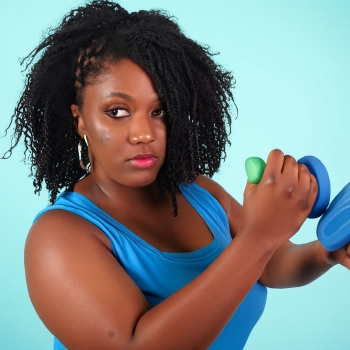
[254,167]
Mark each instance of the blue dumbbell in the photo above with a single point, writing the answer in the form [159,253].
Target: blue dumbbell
[333,229]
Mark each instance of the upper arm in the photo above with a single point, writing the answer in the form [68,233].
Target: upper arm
[232,208]
[76,285]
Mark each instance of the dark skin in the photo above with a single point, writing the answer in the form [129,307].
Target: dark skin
[77,286]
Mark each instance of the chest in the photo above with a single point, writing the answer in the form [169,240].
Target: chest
[157,226]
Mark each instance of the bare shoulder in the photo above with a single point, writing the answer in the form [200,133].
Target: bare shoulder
[76,284]
[63,226]
[232,208]
[216,190]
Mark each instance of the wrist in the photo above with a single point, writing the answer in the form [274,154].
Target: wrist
[328,258]
[258,244]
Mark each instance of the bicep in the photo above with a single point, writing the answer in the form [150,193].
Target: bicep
[76,285]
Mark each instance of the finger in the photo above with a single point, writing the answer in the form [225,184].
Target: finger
[249,188]
[307,185]
[304,179]
[345,257]
[290,172]
[303,173]
[274,165]
[313,190]
[290,164]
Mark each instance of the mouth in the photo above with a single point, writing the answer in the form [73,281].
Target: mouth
[143,160]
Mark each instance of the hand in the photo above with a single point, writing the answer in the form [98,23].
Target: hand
[340,256]
[274,210]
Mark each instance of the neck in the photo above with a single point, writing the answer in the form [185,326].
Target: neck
[107,190]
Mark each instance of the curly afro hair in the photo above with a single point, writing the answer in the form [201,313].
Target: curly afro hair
[197,93]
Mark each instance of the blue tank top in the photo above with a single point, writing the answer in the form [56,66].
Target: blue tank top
[158,274]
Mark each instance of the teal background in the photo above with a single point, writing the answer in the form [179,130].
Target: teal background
[291,62]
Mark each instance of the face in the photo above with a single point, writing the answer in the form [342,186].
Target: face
[124,121]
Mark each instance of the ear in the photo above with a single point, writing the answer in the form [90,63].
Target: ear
[78,120]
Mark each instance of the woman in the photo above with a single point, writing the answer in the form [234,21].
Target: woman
[138,251]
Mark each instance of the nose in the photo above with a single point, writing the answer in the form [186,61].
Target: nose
[141,130]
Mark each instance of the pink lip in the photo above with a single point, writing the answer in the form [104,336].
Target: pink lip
[143,160]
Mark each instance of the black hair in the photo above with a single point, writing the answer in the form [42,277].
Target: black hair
[196,90]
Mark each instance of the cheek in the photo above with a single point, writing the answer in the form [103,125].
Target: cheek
[103,133]
[162,142]
[162,133]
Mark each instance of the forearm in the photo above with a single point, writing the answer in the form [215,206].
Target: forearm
[194,316]
[295,265]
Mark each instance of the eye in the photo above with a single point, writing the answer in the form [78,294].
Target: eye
[118,113]
[159,113]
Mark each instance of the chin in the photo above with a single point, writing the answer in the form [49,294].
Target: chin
[142,180]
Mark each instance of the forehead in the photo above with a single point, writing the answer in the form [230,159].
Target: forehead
[124,70]
[124,76]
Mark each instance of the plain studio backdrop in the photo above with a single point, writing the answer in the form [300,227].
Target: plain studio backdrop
[291,63]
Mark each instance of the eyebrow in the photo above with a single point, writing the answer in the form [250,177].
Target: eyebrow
[120,94]
[125,96]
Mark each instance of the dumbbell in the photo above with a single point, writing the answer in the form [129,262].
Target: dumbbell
[333,229]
